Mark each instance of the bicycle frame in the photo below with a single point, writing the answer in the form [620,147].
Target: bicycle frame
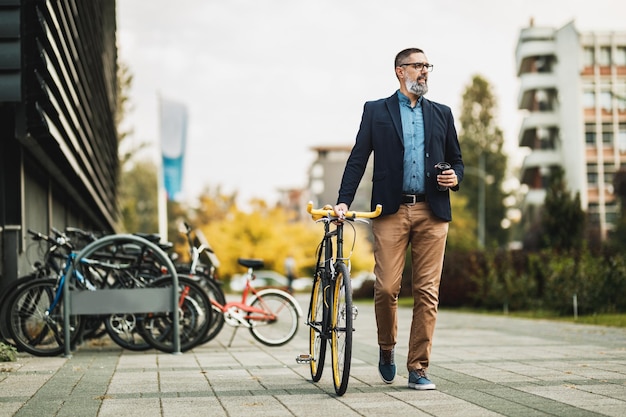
[328,275]
[234,318]
[246,313]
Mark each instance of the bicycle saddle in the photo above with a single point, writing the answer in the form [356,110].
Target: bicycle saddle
[251,263]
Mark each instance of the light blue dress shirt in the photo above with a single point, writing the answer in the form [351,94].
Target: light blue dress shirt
[413,139]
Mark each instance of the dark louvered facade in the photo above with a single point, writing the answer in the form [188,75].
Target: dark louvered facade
[58,140]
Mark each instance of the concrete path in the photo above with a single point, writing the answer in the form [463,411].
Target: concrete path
[482,365]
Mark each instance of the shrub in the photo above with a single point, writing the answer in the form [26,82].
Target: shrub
[7,353]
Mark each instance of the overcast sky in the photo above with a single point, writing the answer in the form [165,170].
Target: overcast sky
[266,80]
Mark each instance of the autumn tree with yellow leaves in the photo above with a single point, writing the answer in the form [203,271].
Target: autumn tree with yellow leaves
[271,233]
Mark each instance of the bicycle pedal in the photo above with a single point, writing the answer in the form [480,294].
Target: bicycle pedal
[304,358]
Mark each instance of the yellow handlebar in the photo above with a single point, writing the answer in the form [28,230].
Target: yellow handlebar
[327,211]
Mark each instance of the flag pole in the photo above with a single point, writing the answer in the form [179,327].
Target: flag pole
[161,193]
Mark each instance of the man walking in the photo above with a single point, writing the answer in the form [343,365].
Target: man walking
[410,136]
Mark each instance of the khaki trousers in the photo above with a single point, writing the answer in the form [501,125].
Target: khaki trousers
[415,225]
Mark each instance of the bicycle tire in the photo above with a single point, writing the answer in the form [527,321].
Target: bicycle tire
[5,334]
[94,327]
[283,327]
[33,330]
[341,339]
[216,295]
[317,330]
[194,315]
[123,329]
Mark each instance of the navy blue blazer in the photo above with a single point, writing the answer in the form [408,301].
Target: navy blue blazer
[381,132]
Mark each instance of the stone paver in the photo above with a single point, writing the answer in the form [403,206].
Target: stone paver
[482,365]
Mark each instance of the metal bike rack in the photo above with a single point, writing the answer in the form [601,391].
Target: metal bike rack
[111,301]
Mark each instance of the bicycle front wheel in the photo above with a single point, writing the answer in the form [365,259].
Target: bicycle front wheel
[317,335]
[275,319]
[123,329]
[341,339]
[34,326]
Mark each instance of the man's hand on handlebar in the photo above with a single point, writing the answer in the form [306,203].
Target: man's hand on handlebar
[340,210]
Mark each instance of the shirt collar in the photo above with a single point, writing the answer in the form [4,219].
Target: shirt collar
[404,100]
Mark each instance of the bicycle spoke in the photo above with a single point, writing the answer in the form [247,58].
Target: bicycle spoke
[278,323]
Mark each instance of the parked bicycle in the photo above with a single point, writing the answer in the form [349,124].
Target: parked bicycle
[203,265]
[331,312]
[271,315]
[34,310]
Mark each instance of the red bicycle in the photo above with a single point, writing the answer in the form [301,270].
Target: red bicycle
[271,315]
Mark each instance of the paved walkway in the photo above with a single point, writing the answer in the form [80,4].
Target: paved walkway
[482,365]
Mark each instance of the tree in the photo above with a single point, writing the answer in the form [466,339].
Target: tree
[137,180]
[138,198]
[462,221]
[617,238]
[482,147]
[268,233]
[562,218]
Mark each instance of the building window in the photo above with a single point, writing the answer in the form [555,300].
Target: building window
[607,134]
[588,57]
[589,100]
[621,138]
[590,134]
[606,100]
[605,56]
[620,55]
[620,97]
[592,178]
[592,174]
[612,217]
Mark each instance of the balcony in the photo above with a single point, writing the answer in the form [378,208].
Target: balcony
[534,121]
[536,166]
[532,82]
[527,53]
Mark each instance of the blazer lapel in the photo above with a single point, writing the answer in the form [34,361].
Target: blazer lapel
[427,114]
[393,106]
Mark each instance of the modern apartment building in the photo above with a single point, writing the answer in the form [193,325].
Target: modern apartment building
[573,93]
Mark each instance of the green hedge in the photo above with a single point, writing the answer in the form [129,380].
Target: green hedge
[548,280]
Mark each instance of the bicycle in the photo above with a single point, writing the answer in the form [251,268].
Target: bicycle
[35,310]
[203,265]
[331,312]
[271,315]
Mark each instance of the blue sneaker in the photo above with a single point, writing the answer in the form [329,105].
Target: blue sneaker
[387,366]
[418,380]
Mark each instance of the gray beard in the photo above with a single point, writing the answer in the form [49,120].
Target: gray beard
[417,88]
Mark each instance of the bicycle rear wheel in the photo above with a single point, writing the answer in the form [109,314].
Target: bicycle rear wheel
[278,323]
[317,339]
[341,339]
[33,327]
[194,314]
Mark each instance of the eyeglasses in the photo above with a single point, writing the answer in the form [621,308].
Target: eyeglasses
[419,66]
